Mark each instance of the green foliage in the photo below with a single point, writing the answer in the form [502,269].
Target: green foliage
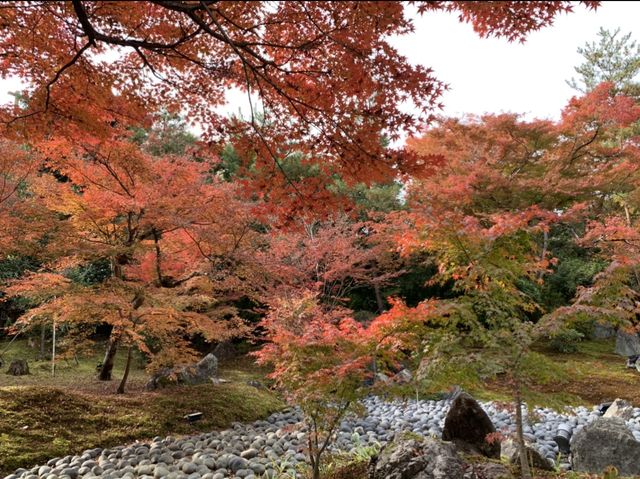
[230,163]
[352,464]
[613,58]
[416,284]
[296,167]
[566,341]
[14,266]
[413,286]
[169,135]
[576,266]
[91,273]
[375,197]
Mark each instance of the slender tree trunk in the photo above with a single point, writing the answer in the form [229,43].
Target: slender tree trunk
[525,470]
[313,448]
[543,255]
[112,347]
[53,347]
[137,301]
[379,301]
[123,382]
[43,339]
[156,240]
[109,359]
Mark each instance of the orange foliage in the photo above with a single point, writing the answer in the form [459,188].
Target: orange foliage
[329,83]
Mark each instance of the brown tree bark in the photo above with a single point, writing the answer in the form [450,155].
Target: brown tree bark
[525,470]
[123,381]
[379,300]
[109,359]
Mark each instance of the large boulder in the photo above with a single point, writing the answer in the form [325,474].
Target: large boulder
[205,370]
[511,451]
[404,376]
[468,425]
[225,350]
[627,344]
[602,331]
[409,457]
[18,367]
[605,442]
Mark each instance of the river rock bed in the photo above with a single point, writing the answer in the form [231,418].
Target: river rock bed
[274,447]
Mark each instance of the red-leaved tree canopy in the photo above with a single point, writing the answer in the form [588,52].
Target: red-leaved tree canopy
[326,77]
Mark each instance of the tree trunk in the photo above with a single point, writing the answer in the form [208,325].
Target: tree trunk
[379,301]
[43,340]
[53,346]
[543,255]
[156,241]
[123,382]
[109,359]
[525,470]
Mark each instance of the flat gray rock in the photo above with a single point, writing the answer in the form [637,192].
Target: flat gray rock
[606,442]
[426,458]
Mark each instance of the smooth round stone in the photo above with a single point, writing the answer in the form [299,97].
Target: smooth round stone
[237,463]
[97,470]
[146,470]
[249,453]
[159,472]
[44,470]
[72,472]
[257,468]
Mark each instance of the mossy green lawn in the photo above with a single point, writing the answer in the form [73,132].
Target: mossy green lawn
[592,375]
[42,417]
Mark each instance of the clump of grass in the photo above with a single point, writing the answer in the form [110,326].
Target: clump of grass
[352,470]
[353,464]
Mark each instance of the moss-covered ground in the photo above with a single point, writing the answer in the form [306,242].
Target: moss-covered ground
[44,416]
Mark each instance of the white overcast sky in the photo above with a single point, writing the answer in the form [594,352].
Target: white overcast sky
[493,75]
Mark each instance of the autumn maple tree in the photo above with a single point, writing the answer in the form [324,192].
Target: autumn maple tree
[153,219]
[491,217]
[331,258]
[320,359]
[185,240]
[605,122]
